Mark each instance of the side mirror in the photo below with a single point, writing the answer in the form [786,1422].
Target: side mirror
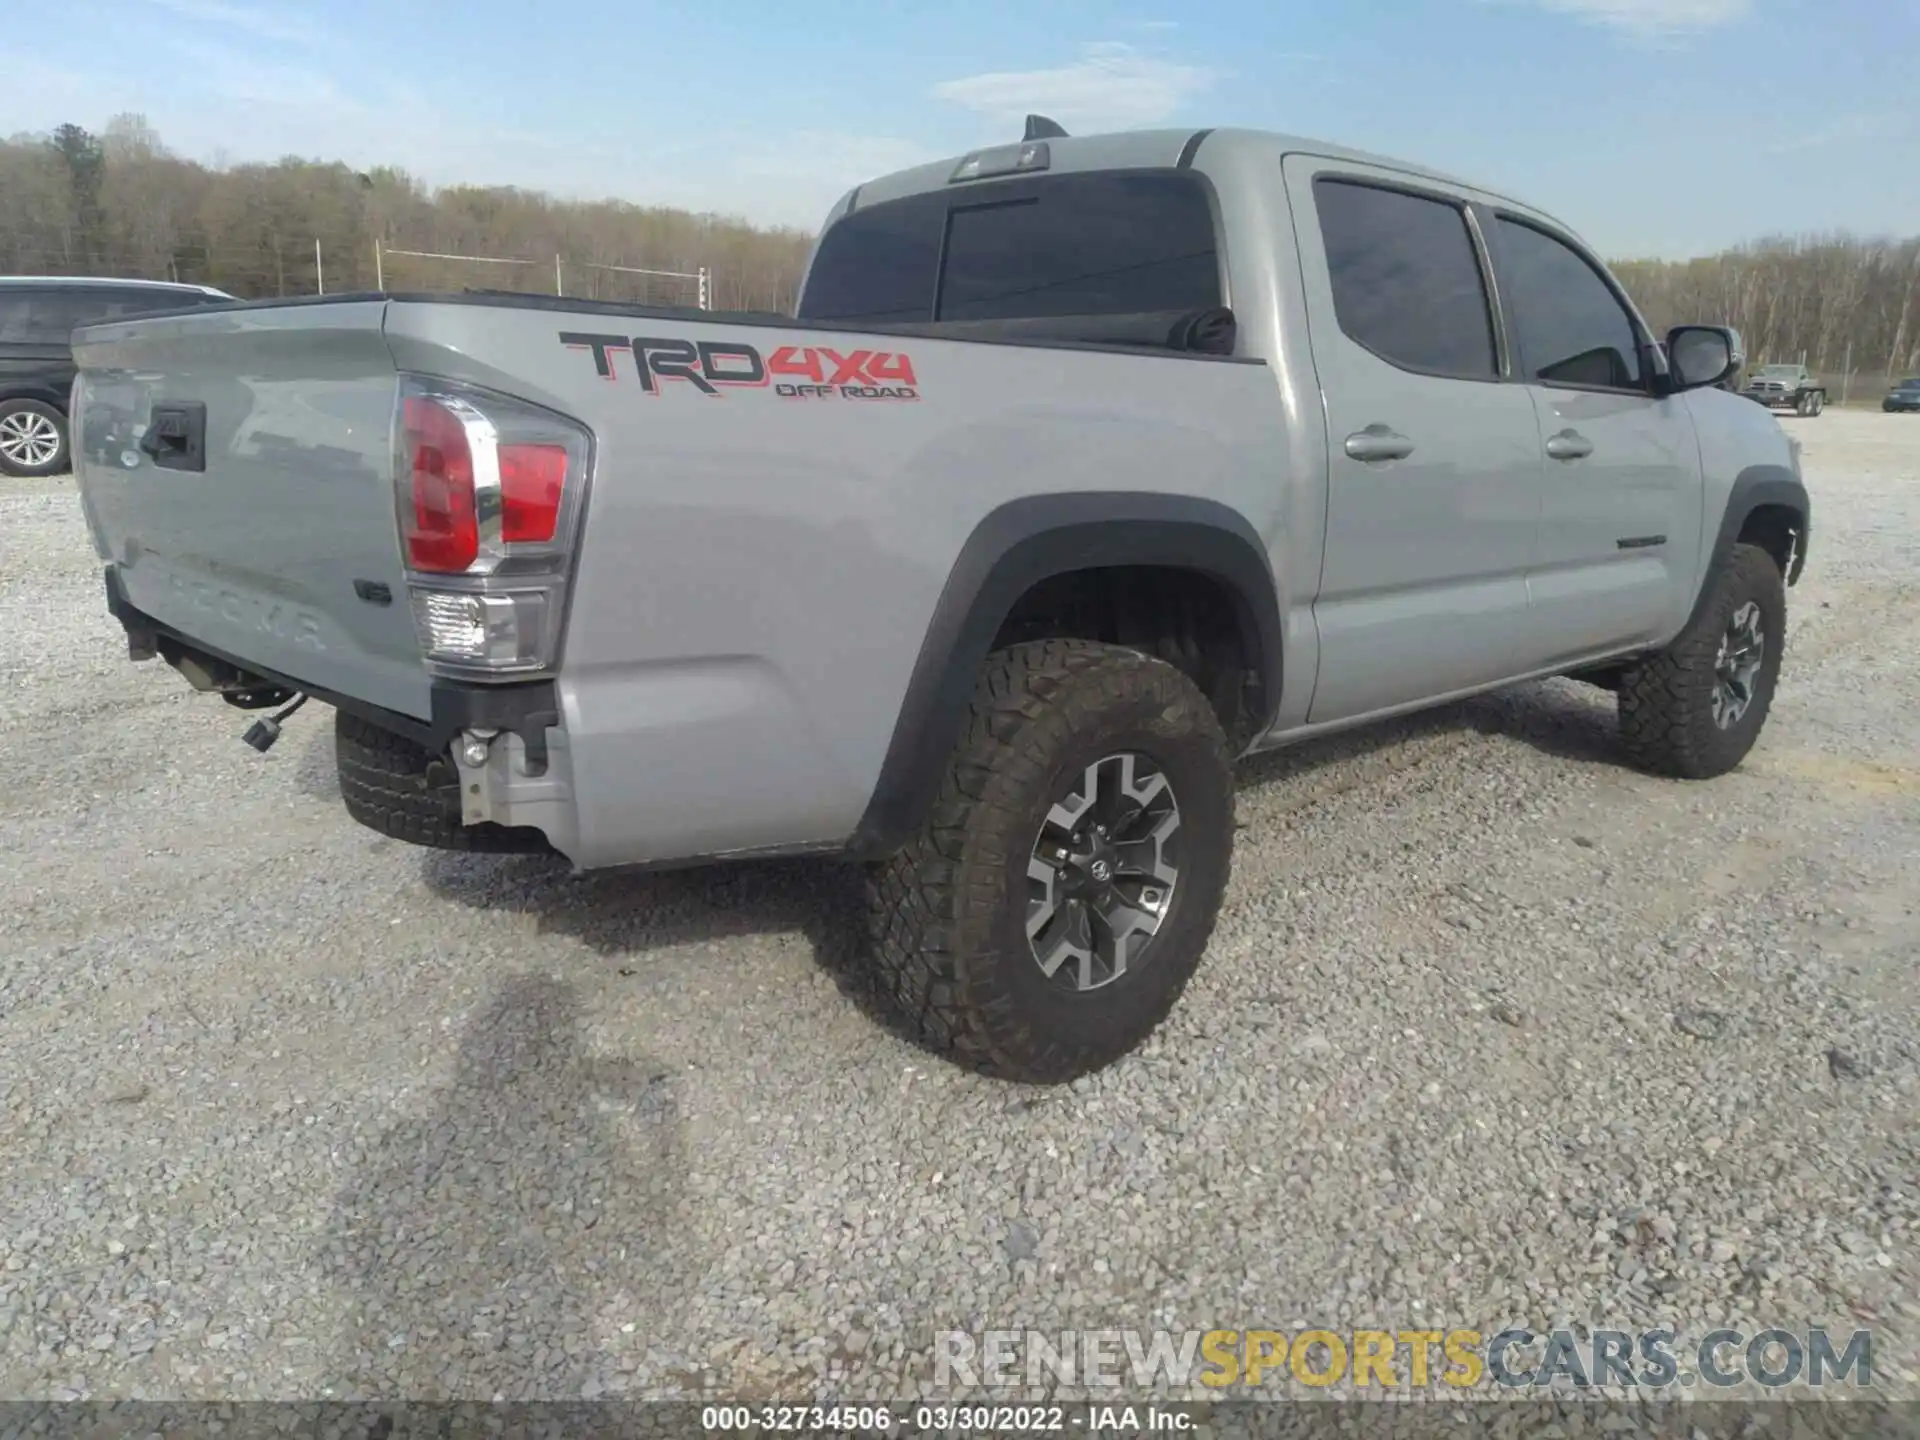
[1702,355]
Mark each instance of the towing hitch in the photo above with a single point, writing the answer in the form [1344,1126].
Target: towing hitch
[262,734]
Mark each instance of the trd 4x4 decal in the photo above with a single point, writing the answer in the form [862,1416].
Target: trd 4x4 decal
[793,372]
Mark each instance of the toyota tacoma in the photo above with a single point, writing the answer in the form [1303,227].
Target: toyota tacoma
[1085,466]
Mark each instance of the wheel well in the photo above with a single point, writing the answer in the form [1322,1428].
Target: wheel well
[1775,529]
[1193,620]
[32,392]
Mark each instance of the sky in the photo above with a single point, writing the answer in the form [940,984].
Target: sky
[1661,128]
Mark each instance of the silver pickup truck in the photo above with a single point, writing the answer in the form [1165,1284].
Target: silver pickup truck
[1086,466]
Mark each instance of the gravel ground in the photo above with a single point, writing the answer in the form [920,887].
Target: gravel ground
[1493,1031]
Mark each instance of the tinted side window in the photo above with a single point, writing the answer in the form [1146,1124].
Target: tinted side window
[1083,245]
[878,264]
[13,317]
[1406,280]
[1097,244]
[1573,331]
[49,317]
[147,302]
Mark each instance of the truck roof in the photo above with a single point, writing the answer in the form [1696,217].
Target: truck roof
[1146,149]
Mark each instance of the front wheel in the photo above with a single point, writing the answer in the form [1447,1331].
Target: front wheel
[1694,710]
[33,438]
[1050,913]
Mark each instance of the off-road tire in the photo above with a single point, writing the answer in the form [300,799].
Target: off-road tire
[45,412]
[946,914]
[395,786]
[1666,700]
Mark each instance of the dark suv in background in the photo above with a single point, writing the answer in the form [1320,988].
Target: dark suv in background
[38,315]
[1905,395]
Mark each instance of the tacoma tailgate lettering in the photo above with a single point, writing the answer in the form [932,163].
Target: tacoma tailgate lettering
[301,628]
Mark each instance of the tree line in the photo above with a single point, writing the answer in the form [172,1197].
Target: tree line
[120,203]
[1845,306]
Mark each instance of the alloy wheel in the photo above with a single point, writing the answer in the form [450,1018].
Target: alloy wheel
[29,439]
[1736,668]
[1103,871]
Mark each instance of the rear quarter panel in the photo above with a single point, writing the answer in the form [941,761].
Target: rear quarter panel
[758,572]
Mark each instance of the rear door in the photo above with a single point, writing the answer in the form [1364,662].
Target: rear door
[1434,457]
[37,324]
[35,353]
[1620,516]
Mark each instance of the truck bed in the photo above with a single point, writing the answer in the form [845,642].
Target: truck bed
[792,471]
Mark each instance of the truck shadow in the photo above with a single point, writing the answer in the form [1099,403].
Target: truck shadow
[484,1242]
[624,914]
[315,772]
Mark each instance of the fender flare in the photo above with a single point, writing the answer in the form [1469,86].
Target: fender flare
[1014,548]
[1755,486]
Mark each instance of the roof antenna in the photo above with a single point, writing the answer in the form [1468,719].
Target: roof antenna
[1039,127]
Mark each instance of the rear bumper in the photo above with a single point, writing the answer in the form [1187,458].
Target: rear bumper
[527,709]
[526,780]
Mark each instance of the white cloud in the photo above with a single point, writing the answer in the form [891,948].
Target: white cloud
[1653,19]
[1110,87]
[280,25]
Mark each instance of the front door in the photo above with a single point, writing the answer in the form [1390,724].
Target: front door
[1434,456]
[1620,517]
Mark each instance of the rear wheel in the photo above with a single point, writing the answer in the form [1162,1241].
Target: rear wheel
[1050,913]
[33,438]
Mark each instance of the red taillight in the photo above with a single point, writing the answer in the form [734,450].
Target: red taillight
[442,526]
[489,490]
[532,479]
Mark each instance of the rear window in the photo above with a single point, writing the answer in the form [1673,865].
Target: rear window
[1406,279]
[49,317]
[1110,243]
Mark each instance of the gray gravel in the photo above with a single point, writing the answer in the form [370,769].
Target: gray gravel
[1493,1031]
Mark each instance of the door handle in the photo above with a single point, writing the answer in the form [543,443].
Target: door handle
[1569,445]
[1377,442]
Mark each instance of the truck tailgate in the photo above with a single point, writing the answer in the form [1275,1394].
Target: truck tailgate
[284,550]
